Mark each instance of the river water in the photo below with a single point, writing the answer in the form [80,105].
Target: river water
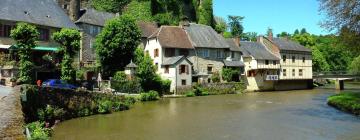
[285,115]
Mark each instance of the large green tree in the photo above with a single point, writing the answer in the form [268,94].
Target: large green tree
[25,36]
[355,66]
[116,44]
[69,39]
[205,15]
[113,6]
[235,25]
[220,26]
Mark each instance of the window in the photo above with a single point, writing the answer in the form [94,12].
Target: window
[219,54]
[184,52]
[167,69]
[209,69]
[169,52]
[183,82]
[293,59]
[284,58]
[232,54]
[274,62]
[293,72]
[206,53]
[156,53]
[184,69]
[300,72]
[266,62]
[44,34]
[7,30]
[284,72]
[65,6]
[303,59]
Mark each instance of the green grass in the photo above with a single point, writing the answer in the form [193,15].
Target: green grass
[349,102]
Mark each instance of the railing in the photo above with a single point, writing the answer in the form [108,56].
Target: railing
[335,74]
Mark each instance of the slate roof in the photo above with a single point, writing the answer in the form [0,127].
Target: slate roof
[131,65]
[172,37]
[258,51]
[233,63]
[94,17]
[289,45]
[40,12]
[173,60]
[205,36]
[147,28]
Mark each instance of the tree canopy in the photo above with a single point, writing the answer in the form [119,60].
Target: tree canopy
[117,41]
[25,36]
[235,25]
[113,6]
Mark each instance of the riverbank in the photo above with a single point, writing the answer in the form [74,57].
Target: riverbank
[348,102]
[11,117]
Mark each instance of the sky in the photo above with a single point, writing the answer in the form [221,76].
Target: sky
[280,15]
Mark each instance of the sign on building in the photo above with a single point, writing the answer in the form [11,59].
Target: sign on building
[272,77]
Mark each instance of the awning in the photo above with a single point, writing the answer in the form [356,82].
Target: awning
[38,48]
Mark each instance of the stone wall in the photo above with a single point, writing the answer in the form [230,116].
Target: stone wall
[11,117]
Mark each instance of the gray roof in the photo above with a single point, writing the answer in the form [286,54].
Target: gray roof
[173,60]
[233,46]
[40,12]
[258,51]
[233,63]
[205,36]
[94,17]
[288,45]
[131,65]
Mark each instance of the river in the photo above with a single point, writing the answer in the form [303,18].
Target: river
[284,115]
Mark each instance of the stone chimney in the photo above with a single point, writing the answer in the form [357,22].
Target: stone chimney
[74,11]
[270,35]
[237,41]
[259,39]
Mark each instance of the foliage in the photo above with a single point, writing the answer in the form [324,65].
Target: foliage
[113,6]
[250,36]
[230,74]
[296,32]
[304,39]
[227,35]
[220,26]
[80,74]
[119,76]
[126,86]
[166,19]
[235,25]
[25,36]
[149,96]
[190,94]
[215,77]
[51,113]
[38,131]
[105,106]
[205,15]
[283,34]
[303,31]
[197,90]
[69,39]
[355,66]
[349,102]
[3,59]
[351,40]
[140,10]
[117,41]
[319,61]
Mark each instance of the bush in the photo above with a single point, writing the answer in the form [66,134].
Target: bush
[50,113]
[38,131]
[349,102]
[127,86]
[197,90]
[105,107]
[190,94]
[149,96]
[215,77]
[230,74]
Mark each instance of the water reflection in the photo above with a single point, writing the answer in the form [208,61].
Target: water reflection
[269,115]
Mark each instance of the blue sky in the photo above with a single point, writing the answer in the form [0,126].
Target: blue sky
[280,15]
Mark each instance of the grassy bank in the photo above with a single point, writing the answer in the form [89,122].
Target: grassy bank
[349,102]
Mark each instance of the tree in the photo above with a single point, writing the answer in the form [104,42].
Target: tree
[206,16]
[319,61]
[117,41]
[296,32]
[341,13]
[303,31]
[113,6]
[283,34]
[230,74]
[69,39]
[235,26]
[304,39]
[250,36]
[25,36]
[355,66]
[220,26]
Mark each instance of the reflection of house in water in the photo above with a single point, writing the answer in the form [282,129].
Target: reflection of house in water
[48,18]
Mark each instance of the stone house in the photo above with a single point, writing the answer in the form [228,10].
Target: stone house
[48,18]
[147,29]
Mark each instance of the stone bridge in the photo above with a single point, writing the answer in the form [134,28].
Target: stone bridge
[338,76]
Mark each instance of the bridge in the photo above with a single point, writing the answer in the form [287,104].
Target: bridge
[338,76]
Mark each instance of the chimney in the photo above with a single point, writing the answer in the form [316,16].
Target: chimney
[259,39]
[74,11]
[185,22]
[270,35]
[237,41]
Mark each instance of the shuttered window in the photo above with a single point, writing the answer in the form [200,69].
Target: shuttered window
[156,53]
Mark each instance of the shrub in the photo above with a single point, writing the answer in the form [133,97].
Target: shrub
[349,102]
[149,96]
[190,94]
[230,74]
[215,77]
[197,90]
[51,113]
[38,131]
[105,107]
[127,86]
